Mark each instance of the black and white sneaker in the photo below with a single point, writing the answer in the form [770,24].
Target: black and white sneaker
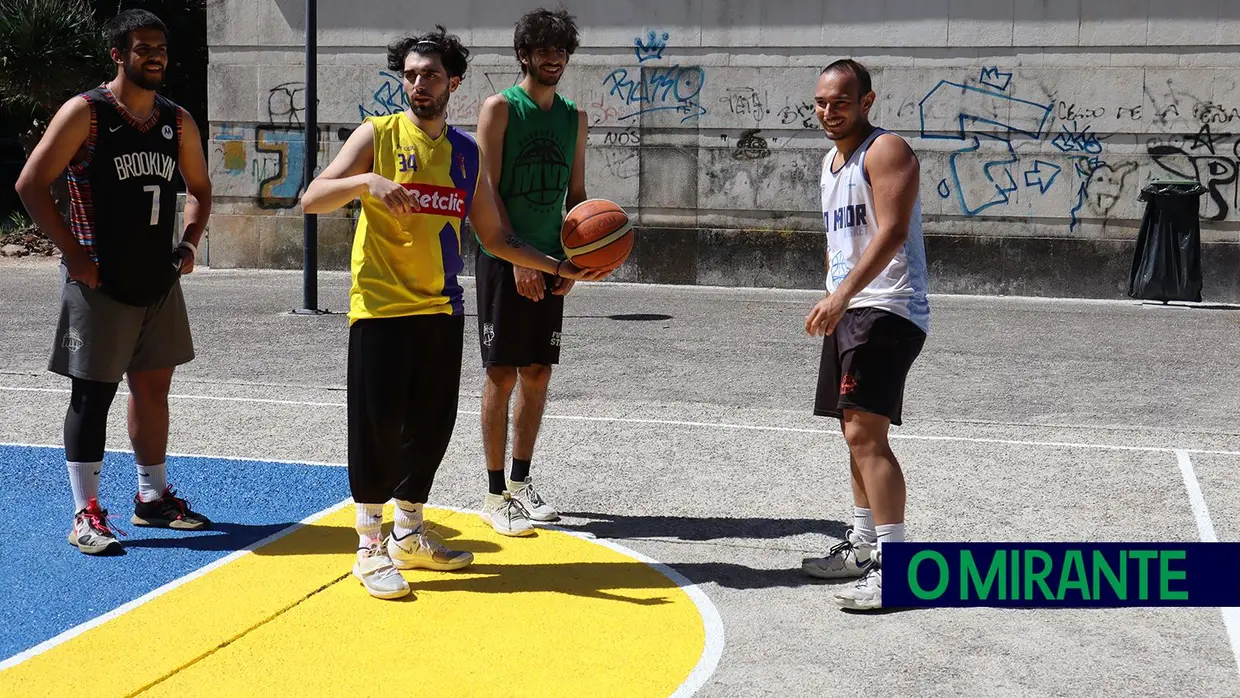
[169,511]
[847,560]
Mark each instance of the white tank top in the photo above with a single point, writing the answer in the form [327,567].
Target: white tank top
[848,212]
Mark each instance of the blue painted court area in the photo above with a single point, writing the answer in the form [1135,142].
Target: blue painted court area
[50,587]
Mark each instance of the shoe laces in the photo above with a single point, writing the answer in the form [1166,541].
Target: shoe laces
[99,520]
[532,494]
[170,499]
[377,549]
[511,503]
[426,542]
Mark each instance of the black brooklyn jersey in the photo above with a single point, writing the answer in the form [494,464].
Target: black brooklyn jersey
[124,197]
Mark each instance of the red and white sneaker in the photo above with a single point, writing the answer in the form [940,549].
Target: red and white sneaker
[91,533]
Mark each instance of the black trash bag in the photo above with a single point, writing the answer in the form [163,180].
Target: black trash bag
[1167,263]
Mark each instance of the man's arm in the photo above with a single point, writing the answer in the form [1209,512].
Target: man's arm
[896,179]
[577,177]
[65,136]
[492,125]
[499,239]
[193,165]
[576,187]
[349,176]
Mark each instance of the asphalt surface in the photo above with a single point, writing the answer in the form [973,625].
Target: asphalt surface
[680,425]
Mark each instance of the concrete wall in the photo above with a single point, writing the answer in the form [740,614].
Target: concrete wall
[1037,122]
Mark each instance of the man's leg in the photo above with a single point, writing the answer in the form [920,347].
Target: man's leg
[863,515]
[497,388]
[505,514]
[94,340]
[505,320]
[881,480]
[527,418]
[164,342]
[850,558]
[434,392]
[156,504]
[86,423]
[543,340]
[871,402]
[377,397]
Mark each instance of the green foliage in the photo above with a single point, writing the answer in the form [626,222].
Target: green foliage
[49,50]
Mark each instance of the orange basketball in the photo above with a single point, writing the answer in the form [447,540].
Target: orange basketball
[597,234]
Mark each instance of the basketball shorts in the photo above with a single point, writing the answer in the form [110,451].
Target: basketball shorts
[404,377]
[99,338]
[865,363]
[512,329]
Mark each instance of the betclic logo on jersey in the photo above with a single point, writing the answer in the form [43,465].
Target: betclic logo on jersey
[443,201]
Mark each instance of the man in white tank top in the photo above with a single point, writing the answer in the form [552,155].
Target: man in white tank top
[874,319]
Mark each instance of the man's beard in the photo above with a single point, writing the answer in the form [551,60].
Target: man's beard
[139,77]
[547,81]
[434,110]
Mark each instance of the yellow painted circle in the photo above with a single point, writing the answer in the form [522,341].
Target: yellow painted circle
[553,614]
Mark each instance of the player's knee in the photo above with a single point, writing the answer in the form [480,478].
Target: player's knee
[502,378]
[865,434]
[150,389]
[87,419]
[535,377]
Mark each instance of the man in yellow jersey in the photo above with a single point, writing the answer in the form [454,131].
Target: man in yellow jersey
[418,179]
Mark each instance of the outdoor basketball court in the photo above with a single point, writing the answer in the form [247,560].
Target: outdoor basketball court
[680,446]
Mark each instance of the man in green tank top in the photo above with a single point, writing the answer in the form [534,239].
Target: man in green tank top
[534,141]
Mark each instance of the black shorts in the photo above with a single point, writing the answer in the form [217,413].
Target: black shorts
[404,381]
[865,363]
[512,329]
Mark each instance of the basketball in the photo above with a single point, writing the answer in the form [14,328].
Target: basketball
[597,234]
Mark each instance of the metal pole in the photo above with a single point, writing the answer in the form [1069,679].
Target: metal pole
[310,290]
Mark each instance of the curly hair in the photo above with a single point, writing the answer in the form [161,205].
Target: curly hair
[543,28]
[451,51]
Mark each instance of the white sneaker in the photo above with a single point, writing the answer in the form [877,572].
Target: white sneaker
[91,533]
[534,504]
[867,593]
[507,515]
[419,551]
[849,559]
[374,569]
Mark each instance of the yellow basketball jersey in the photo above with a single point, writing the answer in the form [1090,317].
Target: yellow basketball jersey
[408,264]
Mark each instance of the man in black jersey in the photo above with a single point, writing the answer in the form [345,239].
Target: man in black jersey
[122,313]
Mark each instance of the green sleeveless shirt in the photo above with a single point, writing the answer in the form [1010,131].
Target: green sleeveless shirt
[538,157]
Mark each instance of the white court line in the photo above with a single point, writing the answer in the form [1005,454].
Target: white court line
[716,425]
[121,610]
[712,622]
[191,455]
[1205,527]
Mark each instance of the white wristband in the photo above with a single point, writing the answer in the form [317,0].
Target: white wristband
[186,243]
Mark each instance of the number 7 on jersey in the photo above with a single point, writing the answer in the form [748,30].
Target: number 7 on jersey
[154,189]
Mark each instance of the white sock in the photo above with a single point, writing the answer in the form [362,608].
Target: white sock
[84,481]
[890,533]
[408,518]
[863,524]
[152,480]
[369,524]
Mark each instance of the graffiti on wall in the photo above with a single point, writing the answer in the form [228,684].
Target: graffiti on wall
[653,87]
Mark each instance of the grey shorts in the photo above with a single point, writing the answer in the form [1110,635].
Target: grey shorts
[101,339]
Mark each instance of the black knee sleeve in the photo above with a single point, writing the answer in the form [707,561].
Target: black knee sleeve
[86,422]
